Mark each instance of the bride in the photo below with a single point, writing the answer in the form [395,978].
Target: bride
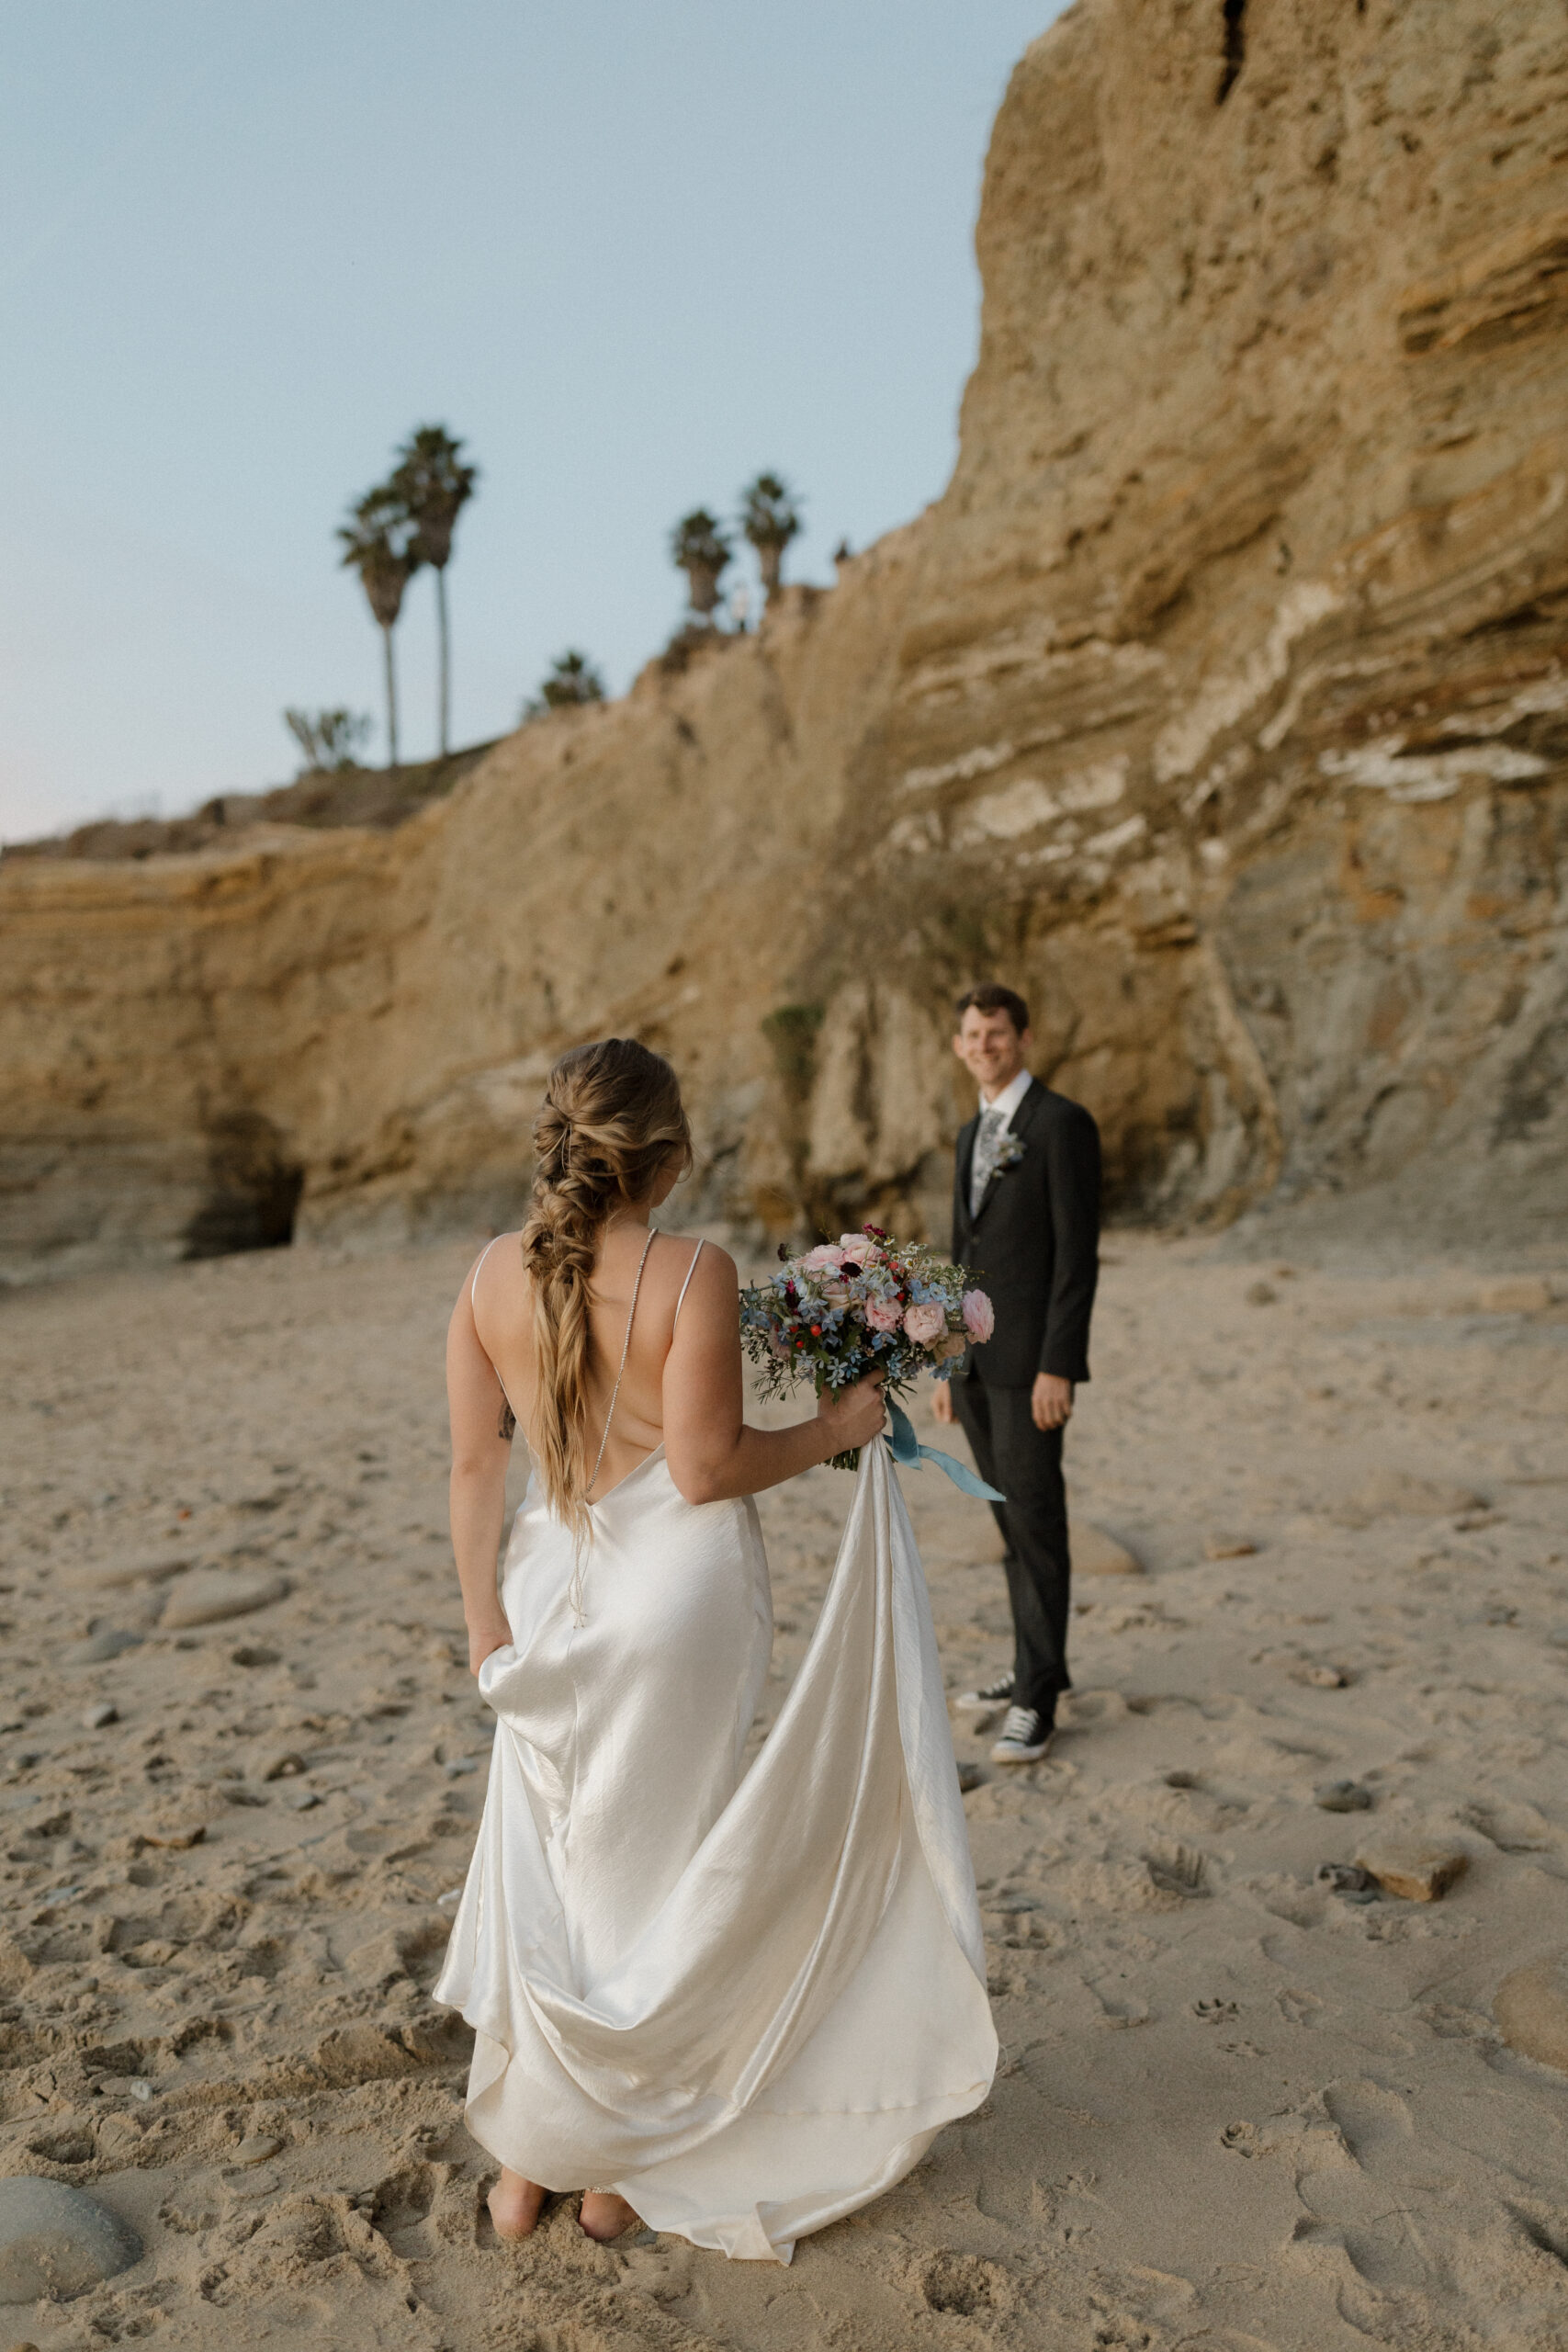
[732,2005]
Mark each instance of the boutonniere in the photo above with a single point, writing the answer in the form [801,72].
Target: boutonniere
[1011,1149]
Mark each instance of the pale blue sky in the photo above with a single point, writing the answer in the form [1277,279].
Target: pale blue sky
[632,253]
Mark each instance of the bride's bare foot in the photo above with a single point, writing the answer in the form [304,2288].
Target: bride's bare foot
[514,2206]
[606,2216]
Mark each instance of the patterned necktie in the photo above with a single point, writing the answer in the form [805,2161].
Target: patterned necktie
[992,1122]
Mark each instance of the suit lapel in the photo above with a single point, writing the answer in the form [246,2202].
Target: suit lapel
[1017,1125]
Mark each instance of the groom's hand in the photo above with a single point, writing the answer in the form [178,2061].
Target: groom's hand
[1052,1401]
[941,1405]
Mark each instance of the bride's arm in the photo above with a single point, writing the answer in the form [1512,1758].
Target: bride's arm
[478,1489]
[711,1452]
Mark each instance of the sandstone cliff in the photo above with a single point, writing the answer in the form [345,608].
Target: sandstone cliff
[1221,702]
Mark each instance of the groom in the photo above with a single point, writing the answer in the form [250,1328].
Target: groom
[1026,1220]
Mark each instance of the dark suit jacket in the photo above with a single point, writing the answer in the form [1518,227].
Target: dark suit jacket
[1034,1244]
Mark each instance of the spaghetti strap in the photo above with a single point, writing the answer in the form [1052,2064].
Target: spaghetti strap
[508,1429]
[474,1277]
[620,1373]
[686,1286]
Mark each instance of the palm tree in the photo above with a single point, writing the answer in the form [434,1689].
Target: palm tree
[700,550]
[572,681]
[434,486]
[379,544]
[770,519]
[328,739]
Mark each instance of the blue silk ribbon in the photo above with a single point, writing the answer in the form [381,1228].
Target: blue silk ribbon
[905,1448]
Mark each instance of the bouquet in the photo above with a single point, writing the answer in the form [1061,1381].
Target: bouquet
[864,1303]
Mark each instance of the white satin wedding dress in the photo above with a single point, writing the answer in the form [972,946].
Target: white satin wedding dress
[747,2002]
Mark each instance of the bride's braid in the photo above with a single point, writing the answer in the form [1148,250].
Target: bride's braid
[611,1121]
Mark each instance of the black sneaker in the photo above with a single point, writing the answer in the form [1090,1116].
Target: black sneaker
[994,1694]
[1026,1735]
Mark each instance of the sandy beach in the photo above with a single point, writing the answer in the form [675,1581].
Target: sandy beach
[1236,2109]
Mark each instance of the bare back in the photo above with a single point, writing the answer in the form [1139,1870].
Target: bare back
[502,1307]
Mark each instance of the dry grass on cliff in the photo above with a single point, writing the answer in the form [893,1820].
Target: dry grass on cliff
[1234,2109]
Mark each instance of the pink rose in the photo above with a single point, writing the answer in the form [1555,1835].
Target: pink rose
[979,1317]
[825,1254]
[925,1325]
[860,1249]
[884,1314]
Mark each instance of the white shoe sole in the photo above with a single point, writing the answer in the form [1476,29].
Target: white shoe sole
[970,1703]
[1005,1753]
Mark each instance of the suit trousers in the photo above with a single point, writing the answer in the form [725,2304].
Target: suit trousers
[1026,1464]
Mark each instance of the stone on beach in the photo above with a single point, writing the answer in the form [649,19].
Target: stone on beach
[1095,1553]
[117,1571]
[98,1718]
[56,2241]
[1342,1796]
[1388,1489]
[1531,2009]
[1524,1294]
[178,1830]
[99,1648]
[1219,1545]
[213,1594]
[1417,1869]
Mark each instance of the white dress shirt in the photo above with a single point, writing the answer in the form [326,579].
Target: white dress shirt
[1007,1102]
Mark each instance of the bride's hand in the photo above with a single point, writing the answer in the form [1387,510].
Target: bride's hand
[493,1634]
[852,1416]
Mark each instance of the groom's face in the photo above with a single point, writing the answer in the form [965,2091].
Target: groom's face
[990,1049]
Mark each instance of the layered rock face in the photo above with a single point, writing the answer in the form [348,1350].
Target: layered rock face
[1221,703]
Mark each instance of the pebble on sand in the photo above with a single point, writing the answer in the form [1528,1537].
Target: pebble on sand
[1531,2009]
[255,2148]
[98,1718]
[1388,1489]
[1095,1553]
[1348,1879]
[1412,1868]
[99,1648]
[1525,1295]
[122,1570]
[1342,1796]
[57,2241]
[1219,1546]
[174,1831]
[213,1594]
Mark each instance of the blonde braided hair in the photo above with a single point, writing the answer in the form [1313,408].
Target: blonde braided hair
[611,1122]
